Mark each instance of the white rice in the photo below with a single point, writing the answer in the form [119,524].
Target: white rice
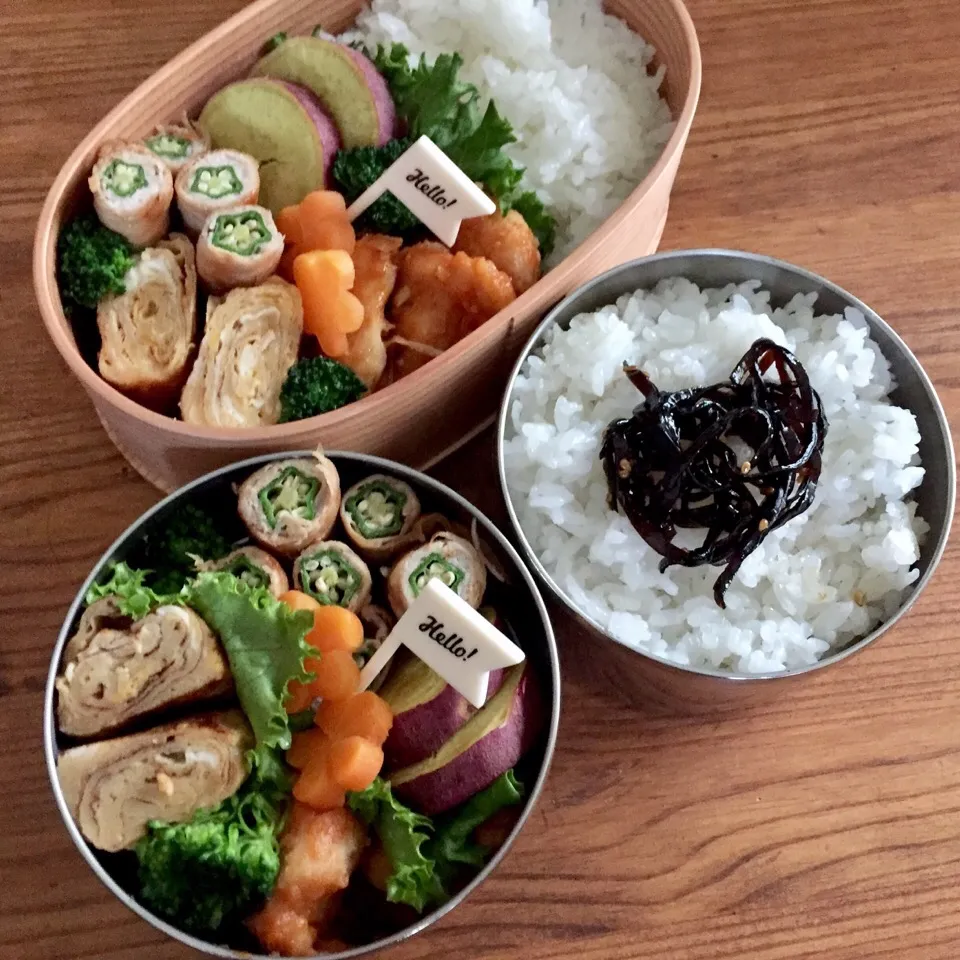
[572,80]
[818,582]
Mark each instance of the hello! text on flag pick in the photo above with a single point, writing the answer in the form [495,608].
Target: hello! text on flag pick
[452,639]
[434,189]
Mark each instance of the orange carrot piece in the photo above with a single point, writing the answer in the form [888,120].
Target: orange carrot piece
[321,204]
[355,762]
[362,715]
[305,746]
[285,267]
[330,235]
[289,223]
[336,628]
[324,279]
[337,676]
[299,697]
[316,787]
[324,222]
[297,600]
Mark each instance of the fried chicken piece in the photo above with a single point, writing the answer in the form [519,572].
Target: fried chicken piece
[441,297]
[375,263]
[318,853]
[508,242]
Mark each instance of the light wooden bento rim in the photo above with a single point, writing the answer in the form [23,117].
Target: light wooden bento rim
[59,328]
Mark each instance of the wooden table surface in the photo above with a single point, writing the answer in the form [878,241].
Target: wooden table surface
[826,824]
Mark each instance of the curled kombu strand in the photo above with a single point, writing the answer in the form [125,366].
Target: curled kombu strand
[737,459]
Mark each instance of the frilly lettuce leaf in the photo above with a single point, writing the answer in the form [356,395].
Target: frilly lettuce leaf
[133,597]
[403,833]
[264,642]
[433,101]
[425,856]
[452,842]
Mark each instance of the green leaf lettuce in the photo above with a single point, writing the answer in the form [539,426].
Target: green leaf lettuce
[403,833]
[434,102]
[127,585]
[452,842]
[264,642]
[426,856]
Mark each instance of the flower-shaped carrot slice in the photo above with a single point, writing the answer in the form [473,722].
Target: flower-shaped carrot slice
[324,279]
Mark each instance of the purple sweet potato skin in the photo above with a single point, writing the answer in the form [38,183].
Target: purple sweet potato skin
[422,731]
[486,760]
[326,129]
[383,101]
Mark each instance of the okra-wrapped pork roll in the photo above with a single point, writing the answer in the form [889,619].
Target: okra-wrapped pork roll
[114,788]
[289,504]
[132,192]
[378,514]
[177,145]
[250,343]
[452,559]
[215,182]
[255,567]
[241,248]
[333,575]
[147,332]
[113,675]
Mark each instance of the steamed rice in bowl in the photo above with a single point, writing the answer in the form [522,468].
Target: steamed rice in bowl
[574,82]
[814,585]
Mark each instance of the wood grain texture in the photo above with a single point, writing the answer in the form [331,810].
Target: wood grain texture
[823,825]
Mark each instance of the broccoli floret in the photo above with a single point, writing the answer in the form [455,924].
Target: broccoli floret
[318,385]
[169,550]
[93,261]
[356,170]
[217,868]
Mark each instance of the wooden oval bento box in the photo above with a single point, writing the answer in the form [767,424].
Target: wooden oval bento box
[429,413]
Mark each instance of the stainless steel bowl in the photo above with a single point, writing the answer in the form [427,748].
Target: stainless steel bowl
[692,688]
[527,615]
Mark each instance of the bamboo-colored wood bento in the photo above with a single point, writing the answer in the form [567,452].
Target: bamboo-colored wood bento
[429,413]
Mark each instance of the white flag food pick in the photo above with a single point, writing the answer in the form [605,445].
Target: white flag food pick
[434,189]
[451,638]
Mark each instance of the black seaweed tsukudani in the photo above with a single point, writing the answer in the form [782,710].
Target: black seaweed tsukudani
[671,465]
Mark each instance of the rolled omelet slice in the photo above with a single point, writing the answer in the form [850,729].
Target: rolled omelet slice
[132,191]
[147,333]
[241,248]
[177,145]
[115,674]
[215,182]
[114,788]
[251,341]
[289,504]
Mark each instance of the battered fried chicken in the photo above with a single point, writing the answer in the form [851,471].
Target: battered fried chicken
[319,852]
[375,263]
[508,242]
[441,297]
